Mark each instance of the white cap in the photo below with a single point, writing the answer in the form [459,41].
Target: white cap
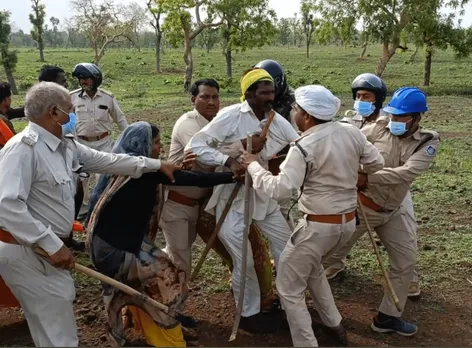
[318,101]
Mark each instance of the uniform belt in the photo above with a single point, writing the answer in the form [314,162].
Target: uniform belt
[369,203]
[6,237]
[100,137]
[331,219]
[184,200]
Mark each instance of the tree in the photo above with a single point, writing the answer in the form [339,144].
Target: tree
[55,23]
[103,24]
[7,58]
[309,22]
[37,20]
[284,31]
[246,24]
[156,10]
[179,28]
[208,38]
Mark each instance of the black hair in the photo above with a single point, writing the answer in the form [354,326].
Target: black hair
[203,82]
[154,130]
[415,115]
[50,73]
[5,91]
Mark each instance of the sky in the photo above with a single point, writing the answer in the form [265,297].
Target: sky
[20,10]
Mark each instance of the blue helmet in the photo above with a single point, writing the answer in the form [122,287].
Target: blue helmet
[407,100]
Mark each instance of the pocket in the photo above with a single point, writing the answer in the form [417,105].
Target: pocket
[295,237]
[62,185]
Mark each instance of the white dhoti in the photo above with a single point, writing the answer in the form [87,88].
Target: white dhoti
[45,293]
[301,268]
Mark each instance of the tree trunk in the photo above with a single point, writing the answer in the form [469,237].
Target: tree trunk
[188,59]
[364,50]
[412,58]
[387,54]
[427,65]
[229,63]
[11,81]
[307,47]
[158,51]
[41,53]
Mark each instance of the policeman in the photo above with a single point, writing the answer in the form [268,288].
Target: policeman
[408,151]
[95,109]
[369,92]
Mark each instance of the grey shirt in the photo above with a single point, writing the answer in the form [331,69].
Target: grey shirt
[37,183]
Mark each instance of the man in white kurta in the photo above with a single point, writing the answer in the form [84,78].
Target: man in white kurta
[233,124]
[38,174]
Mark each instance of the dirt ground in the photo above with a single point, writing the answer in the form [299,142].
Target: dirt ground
[444,319]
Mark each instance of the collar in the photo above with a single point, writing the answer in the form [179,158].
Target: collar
[317,128]
[245,107]
[97,94]
[50,139]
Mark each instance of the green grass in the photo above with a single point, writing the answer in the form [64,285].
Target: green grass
[441,195]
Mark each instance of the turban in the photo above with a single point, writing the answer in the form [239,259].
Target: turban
[253,76]
[317,101]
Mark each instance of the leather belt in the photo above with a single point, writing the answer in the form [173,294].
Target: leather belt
[369,203]
[331,219]
[181,199]
[100,137]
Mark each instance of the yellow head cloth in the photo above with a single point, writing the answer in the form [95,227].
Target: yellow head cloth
[251,77]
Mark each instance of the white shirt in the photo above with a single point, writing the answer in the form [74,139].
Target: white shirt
[37,183]
[231,125]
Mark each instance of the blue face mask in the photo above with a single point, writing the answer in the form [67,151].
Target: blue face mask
[69,127]
[397,128]
[365,109]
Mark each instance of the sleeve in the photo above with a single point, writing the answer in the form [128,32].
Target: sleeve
[200,179]
[16,178]
[118,116]
[16,113]
[413,167]
[110,163]
[291,176]
[204,143]
[371,160]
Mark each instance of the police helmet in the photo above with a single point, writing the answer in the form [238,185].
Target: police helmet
[372,83]
[277,72]
[88,70]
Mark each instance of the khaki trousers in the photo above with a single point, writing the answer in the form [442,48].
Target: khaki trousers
[301,268]
[45,293]
[397,231]
[178,223]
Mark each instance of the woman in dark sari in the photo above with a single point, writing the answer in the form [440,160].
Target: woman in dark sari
[118,224]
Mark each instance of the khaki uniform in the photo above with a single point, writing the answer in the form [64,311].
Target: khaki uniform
[232,124]
[392,219]
[180,210]
[37,187]
[94,122]
[325,163]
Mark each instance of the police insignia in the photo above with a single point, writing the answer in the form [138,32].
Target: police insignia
[430,150]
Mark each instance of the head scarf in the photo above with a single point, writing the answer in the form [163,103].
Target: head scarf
[251,77]
[317,101]
[136,140]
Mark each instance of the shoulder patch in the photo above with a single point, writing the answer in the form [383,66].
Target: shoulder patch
[435,135]
[30,138]
[430,150]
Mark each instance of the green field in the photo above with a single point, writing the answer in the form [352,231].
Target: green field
[442,196]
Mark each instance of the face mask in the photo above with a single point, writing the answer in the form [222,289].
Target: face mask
[365,109]
[69,127]
[397,128]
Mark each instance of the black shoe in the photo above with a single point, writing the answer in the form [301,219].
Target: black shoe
[75,244]
[339,334]
[262,323]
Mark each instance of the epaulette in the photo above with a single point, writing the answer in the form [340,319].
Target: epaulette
[297,144]
[430,134]
[70,136]
[75,90]
[106,92]
[30,137]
